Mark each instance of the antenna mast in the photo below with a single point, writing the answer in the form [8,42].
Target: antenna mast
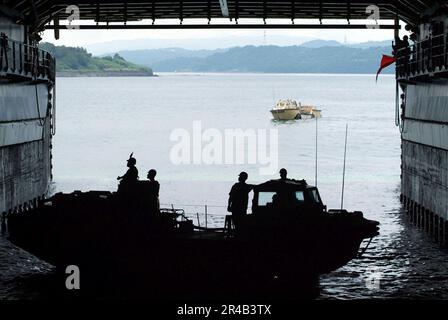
[315,178]
[343,172]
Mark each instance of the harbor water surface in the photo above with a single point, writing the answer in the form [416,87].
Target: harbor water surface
[100,121]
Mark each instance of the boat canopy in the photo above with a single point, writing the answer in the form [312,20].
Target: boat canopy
[287,104]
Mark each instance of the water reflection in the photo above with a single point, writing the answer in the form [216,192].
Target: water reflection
[409,265]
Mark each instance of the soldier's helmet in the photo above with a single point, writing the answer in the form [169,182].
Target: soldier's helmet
[243,175]
[132,160]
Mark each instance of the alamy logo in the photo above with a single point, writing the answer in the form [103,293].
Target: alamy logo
[73,280]
[373,278]
[74,14]
[230,146]
[374,16]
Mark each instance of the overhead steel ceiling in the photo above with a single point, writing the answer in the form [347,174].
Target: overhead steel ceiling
[39,13]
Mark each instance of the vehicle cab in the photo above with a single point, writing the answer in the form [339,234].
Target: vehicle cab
[286,197]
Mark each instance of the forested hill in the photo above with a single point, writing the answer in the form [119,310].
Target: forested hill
[275,59]
[313,57]
[73,61]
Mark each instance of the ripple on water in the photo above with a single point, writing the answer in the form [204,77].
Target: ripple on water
[409,264]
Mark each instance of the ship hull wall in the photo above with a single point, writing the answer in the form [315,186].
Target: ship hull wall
[424,180]
[25,144]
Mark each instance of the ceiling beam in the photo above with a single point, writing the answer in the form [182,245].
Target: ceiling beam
[222,26]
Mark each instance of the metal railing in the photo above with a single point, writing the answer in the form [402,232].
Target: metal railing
[425,57]
[203,215]
[19,60]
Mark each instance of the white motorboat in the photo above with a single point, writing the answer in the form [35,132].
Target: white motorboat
[291,110]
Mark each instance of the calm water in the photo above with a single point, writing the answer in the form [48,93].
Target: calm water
[100,121]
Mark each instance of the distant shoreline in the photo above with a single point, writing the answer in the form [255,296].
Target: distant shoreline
[198,73]
[74,74]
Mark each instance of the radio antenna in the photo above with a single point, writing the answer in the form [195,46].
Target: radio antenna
[315,178]
[343,172]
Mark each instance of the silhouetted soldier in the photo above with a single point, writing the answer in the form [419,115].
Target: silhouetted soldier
[405,42]
[406,53]
[275,203]
[400,44]
[238,199]
[153,189]
[401,52]
[283,174]
[129,179]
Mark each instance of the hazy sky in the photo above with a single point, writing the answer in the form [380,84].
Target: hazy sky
[89,37]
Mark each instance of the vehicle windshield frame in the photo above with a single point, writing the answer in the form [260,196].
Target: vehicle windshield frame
[262,197]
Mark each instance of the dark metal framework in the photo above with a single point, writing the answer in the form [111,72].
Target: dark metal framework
[39,13]
[19,61]
[425,58]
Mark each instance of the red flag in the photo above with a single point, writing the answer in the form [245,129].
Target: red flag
[385,62]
